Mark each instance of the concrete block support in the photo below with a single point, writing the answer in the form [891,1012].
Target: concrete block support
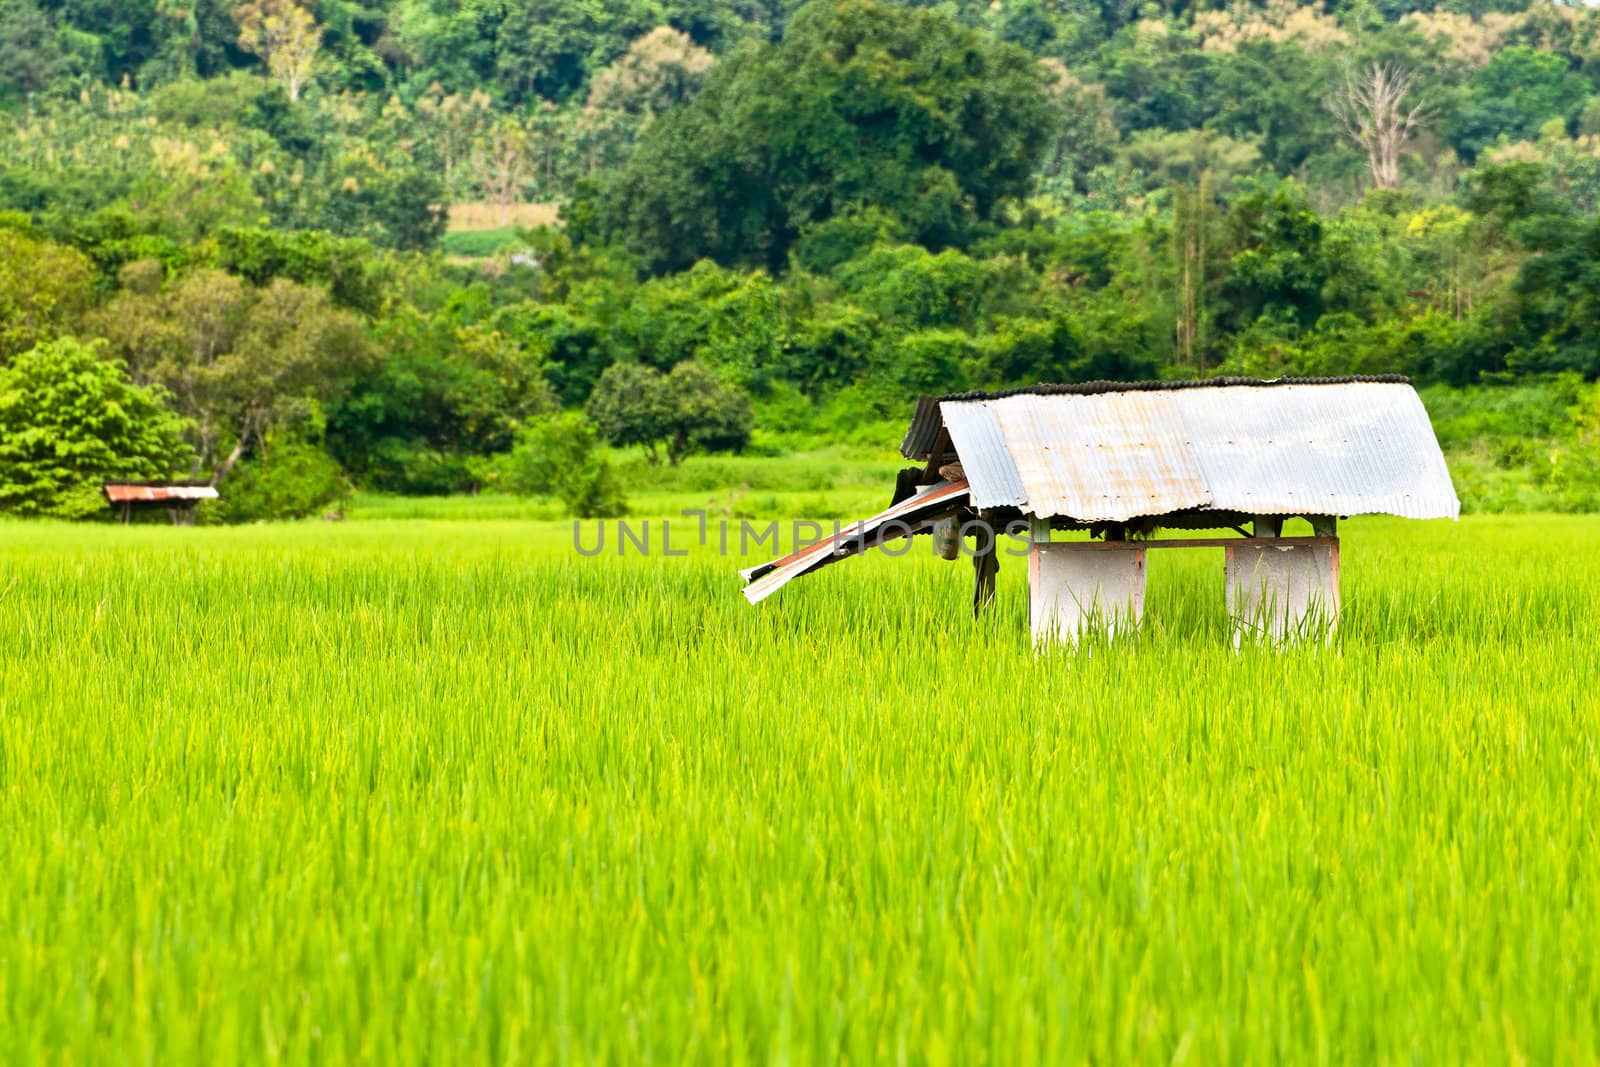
[1283,593]
[1079,587]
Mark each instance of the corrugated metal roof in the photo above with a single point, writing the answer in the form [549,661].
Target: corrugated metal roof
[924,429]
[126,493]
[990,465]
[1336,448]
[910,516]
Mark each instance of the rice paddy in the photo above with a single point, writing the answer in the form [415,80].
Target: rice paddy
[420,790]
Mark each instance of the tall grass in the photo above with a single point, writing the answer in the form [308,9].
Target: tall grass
[431,791]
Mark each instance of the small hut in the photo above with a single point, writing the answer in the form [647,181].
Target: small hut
[1132,464]
[177,499]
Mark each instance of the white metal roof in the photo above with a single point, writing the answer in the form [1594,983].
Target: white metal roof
[1292,448]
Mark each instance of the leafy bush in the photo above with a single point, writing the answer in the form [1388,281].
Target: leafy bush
[559,455]
[291,480]
[70,421]
[444,393]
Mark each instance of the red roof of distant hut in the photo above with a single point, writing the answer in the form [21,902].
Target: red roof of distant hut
[157,492]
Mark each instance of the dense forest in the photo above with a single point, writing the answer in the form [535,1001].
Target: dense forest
[235,240]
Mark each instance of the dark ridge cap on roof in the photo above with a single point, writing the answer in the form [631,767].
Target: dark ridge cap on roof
[1092,388]
[167,484]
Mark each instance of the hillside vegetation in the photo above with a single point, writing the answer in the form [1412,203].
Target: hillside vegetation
[817,210]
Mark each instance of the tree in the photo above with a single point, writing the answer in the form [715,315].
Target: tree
[702,412]
[1376,110]
[1518,91]
[1276,269]
[71,420]
[661,69]
[861,105]
[502,162]
[677,412]
[548,47]
[1557,299]
[442,394]
[1184,156]
[29,55]
[240,363]
[285,36]
[628,405]
[1084,135]
[43,289]
[1192,213]
[290,480]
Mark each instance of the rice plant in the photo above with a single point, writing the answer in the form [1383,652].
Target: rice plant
[426,791]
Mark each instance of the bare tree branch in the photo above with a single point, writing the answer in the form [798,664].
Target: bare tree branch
[1377,116]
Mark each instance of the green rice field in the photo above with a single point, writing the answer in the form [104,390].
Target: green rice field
[407,790]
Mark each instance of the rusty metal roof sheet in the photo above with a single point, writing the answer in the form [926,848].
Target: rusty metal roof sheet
[1348,447]
[910,516]
[130,492]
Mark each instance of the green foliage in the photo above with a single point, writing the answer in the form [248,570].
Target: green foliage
[346,268]
[442,393]
[1276,269]
[30,58]
[860,106]
[673,413]
[481,243]
[1559,305]
[1532,446]
[237,100]
[69,421]
[243,364]
[288,479]
[628,406]
[577,344]
[729,320]
[44,288]
[1514,95]
[559,455]
[827,208]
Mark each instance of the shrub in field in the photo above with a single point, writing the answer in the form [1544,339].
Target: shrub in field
[290,480]
[558,455]
[69,420]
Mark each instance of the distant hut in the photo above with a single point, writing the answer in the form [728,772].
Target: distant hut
[177,499]
[1124,460]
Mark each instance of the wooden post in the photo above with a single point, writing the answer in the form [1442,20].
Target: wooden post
[1324,525]
[985,564]
[1266,526]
